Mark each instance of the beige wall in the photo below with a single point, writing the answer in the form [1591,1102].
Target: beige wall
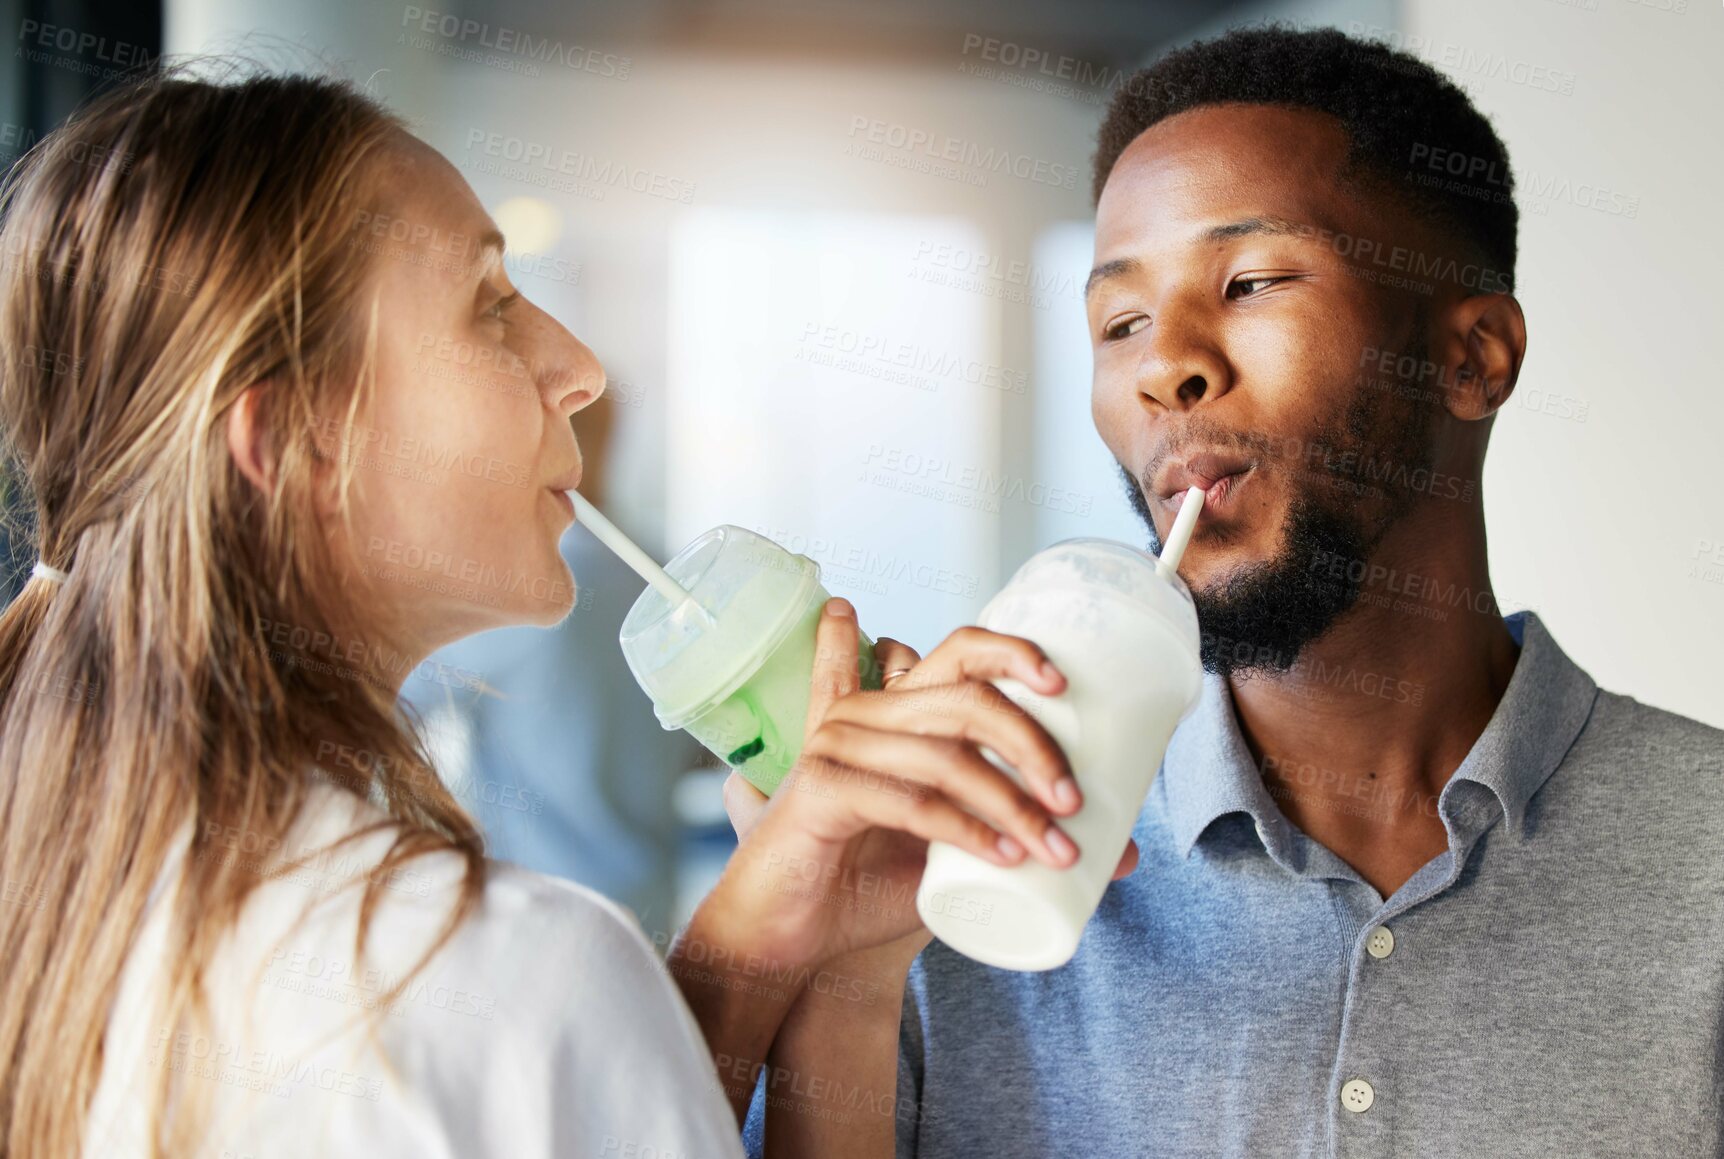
[1604,481]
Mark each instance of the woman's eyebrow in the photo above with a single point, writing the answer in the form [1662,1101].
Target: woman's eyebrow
[491,247]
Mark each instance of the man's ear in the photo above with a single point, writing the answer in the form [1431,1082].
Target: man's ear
[248,438]
[1484,341]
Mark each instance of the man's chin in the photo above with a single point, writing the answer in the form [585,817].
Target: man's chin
[1214,560]
[1256,612]
[1258,615]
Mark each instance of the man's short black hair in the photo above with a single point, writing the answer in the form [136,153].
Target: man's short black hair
[1413,132]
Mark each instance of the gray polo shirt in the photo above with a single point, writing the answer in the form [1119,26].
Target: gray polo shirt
[1552,985]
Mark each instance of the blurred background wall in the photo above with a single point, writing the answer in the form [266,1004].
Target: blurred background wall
[831,254]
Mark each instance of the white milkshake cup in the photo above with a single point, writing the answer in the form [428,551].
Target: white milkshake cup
[1120,625]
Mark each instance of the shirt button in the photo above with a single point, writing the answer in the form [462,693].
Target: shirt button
[1357,1095]
[1381,943]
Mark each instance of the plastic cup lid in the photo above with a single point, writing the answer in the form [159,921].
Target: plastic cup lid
[1108,570]
[755,592]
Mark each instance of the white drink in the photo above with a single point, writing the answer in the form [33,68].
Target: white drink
[1125,637]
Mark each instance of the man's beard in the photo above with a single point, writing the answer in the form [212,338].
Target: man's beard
[1260,617]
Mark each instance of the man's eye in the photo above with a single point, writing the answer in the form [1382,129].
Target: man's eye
[1125,328]
[496,311]
[1245,287]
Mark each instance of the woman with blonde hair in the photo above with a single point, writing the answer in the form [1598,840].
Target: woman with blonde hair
[282,427]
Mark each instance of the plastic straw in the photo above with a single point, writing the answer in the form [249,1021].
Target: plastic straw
[1183,525]
[626,550]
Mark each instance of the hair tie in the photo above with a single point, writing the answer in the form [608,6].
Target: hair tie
[49,573]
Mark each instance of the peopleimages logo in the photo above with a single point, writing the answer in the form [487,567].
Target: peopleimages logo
[1061,67]
[370,446]
[455,32]
[37,39]
[544,164]
[855,350]
[937,477]
[972,154]
[868,564]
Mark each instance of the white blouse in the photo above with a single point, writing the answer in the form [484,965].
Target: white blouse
[545,1027]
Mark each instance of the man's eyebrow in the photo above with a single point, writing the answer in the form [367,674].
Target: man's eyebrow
[1117,268]
[1255,225]
[1261,224]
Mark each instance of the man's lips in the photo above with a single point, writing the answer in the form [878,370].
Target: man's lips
[1218,474]
[1214,496]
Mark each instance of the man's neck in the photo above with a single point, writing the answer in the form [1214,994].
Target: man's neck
[1358,739]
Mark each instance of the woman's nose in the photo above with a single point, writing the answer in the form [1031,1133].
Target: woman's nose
[569,375]
[575,384]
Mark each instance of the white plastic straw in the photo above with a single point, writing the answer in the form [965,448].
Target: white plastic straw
[644,565]
[1183,525]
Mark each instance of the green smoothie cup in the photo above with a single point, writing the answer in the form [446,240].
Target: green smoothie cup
[733,663]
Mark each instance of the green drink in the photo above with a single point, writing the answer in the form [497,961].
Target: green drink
[733,664]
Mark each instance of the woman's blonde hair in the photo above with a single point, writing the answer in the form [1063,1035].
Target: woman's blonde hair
[176,243]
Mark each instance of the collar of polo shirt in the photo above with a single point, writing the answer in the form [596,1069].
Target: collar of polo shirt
[1209,772]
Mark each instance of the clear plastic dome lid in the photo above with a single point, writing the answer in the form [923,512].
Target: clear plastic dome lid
[752,589]
[1104,570]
